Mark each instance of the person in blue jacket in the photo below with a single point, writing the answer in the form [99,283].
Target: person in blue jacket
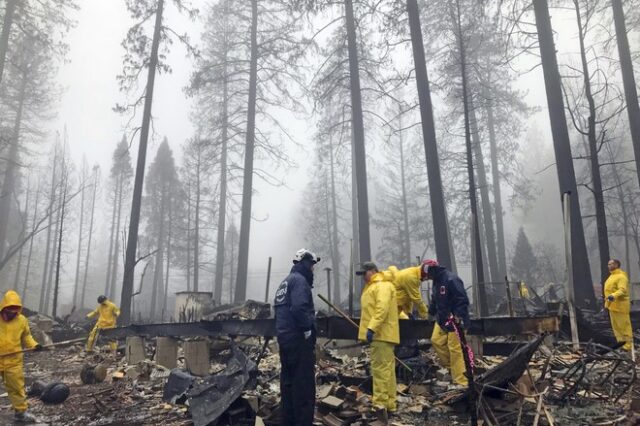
[296,332]
[448,299]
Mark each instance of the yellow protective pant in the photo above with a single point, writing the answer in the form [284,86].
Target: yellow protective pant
[13,379]
[383,370]
[449,351]
[621,324]
[93,336]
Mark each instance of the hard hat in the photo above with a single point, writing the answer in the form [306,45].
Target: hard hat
[426,264]
[102,299]
[305,254]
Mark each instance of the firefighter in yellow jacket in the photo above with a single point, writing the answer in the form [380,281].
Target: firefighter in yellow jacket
[379,326]
[407,283]
[107,313]
[15,336]
[617,301]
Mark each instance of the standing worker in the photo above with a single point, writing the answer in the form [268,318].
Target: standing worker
[14,336]
[296,331]
[108,313]
[448,299]
[523,290]
[617,301]
[407,283]
[379,326]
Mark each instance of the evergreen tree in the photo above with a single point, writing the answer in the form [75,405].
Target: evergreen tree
[524,263]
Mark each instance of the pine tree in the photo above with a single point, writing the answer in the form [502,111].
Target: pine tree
[524,263]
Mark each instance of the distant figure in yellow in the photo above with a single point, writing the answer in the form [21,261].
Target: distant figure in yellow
[407,283]
[523,290]
[108,313]
[15,336]
[617,301]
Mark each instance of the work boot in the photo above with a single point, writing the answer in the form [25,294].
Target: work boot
[24,418]
[382,415]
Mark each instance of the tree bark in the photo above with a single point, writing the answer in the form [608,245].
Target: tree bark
[93,209]
[357,129]
[168,265]
[483,185]
[29,256]
[564,161]
[9,14]
[497,192]
[334,229]
[406,244]
[77,280]
[444,248]
[24,226]
[56,290]
[247,186]
[52,203]
[598,195]
[157,275]
[628,79]
[113,235]
[480,278]
[54,253]
[189,235]
[222,208]
[134,223]
[9,181]
[116,248]
[196,241]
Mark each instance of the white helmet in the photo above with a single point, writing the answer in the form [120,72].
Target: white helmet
[303,254]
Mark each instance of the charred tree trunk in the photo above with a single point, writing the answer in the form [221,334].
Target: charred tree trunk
[9,181]
[564,161]
[157,275]
[598,195]
[357,129]
[134,223]
[628,79]
[189,235]
[25,221]
[77,280]
[56,290]
[113,236]
[52,203]
[9,14]
[473,200]
[116,248]
[54,253]
[247,186]
[334,229]
[167,266]
[196,240]
[29,256]
[93,209]
[406,244]
[222,208]
[444,249]
[483,184]
[497,193]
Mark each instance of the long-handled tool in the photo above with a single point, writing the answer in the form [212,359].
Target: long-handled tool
[53,345]
[469,364]
[345,316]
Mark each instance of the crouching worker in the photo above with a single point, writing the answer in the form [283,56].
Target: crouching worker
[448,298]
[107,313]
[379,326]
[15,336]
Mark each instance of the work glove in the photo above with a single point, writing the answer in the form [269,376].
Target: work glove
[370,334]
[38,348]
[610,298]
[307,335]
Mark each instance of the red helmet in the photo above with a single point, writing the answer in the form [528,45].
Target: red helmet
[425,266]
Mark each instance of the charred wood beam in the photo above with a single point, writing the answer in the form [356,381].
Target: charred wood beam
[331,328]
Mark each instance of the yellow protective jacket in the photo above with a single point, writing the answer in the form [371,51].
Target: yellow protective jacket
[15,335]
[524,291]
[108,312]
[379,310]
[407,283]
[617,285]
